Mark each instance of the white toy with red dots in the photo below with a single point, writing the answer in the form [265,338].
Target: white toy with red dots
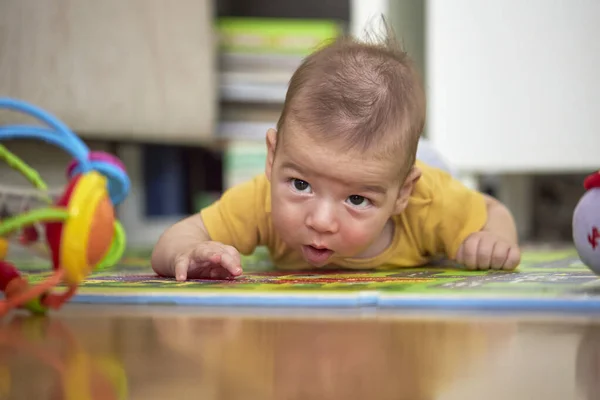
[586,224]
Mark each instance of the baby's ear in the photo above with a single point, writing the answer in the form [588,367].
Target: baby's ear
[407,189]
[271,145]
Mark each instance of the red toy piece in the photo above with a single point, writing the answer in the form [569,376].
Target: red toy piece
[592,181]
[14,285]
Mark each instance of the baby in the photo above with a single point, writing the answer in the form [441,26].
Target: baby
[342,186]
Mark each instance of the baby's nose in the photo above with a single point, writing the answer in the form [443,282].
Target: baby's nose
[323,219]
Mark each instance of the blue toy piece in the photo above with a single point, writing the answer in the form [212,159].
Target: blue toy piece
[58,134]
[586,224]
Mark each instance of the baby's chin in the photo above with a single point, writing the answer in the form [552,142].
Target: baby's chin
[360,250]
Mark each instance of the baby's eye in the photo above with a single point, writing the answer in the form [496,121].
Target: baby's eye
[300,185]
[358,201]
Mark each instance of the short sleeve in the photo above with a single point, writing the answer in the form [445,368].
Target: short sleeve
[455,212]
[239,217]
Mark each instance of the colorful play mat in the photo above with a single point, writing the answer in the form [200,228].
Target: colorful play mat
[546,280]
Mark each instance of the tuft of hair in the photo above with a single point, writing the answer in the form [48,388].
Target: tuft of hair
[364,95]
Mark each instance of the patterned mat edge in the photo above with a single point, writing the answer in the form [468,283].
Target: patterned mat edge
[586,299]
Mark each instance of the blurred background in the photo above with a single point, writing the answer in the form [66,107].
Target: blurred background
[184,91]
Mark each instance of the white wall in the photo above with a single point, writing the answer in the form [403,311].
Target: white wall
[514,85]
[408,20]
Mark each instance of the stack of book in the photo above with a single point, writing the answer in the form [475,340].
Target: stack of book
[257,57]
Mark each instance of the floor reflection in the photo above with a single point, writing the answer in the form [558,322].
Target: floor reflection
[42,358]
[304,359]
[147,353]
[588,363]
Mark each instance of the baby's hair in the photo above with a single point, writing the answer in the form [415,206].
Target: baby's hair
[362,95]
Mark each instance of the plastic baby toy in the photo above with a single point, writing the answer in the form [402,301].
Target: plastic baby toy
[586,224]
[81,231]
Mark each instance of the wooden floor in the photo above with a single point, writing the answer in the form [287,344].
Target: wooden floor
[184,353]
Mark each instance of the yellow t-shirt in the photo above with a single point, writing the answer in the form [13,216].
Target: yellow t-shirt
[440,214]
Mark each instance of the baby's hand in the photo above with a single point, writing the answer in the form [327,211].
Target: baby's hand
[485,250]
[209,260]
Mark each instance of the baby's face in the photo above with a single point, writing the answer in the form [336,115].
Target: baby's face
[329,204]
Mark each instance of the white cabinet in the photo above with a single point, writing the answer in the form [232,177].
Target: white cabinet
[513,90]
[513,86]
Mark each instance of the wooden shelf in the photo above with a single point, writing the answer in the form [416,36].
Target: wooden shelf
[135,69]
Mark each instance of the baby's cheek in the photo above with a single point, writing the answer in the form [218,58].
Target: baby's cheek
[285,218]
[357,236]
[285,221]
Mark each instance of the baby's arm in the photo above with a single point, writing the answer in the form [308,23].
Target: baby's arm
[208,244]
[468,226]
[496,244]
[500,220]
[185,250]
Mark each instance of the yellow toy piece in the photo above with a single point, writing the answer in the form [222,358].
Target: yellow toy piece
[3,248]
[90,211]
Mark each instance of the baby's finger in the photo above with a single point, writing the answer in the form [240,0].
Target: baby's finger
[470,253]
[231,264]
[485,249]
[500,254]
[233,252]
[181,268]
[513,259]
[220,273]
[206,252]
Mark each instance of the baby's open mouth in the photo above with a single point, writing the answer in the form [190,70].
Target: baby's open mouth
[316,256]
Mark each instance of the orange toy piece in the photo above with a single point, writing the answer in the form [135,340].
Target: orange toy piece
[84,239]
